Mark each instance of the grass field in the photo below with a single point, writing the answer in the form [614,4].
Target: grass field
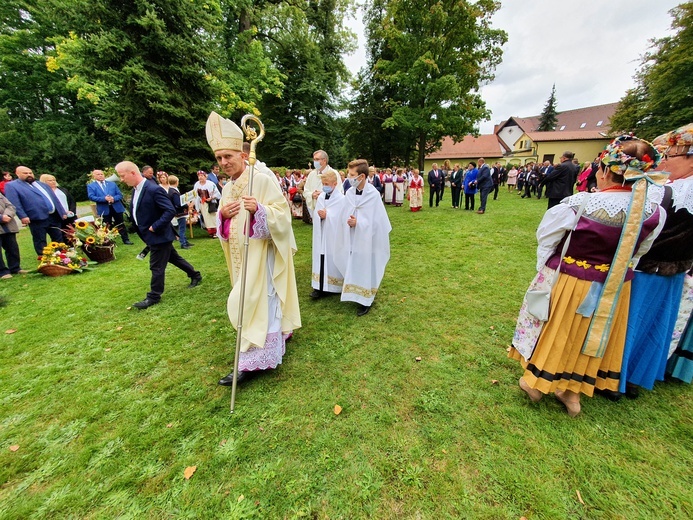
[109,405]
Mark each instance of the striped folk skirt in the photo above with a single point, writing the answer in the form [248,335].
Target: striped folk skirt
[557,362]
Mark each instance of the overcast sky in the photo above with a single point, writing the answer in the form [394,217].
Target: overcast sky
[589,48]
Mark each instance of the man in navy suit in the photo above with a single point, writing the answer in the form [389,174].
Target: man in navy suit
[484,184]
[37,207]
[109,205]
[152,211]
[435,181]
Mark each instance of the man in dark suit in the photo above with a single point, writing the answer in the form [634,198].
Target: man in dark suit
[545,170]
[152,211]
[37,207]
[435,181]
[456,185]
[559,183]
[109,205]
[484,184]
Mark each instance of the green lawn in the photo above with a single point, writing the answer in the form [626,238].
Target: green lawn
[109,405]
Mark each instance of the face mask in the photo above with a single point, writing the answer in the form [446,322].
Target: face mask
[353,181]
[327,189]
[316,164]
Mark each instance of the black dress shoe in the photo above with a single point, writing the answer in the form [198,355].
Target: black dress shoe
[128,243]
[144,303]
[241,378]
[632,391]
[185,246]
[611,395]
[363,310]
[195,281]
[316,295]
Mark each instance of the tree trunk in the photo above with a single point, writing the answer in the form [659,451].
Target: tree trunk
[422,152]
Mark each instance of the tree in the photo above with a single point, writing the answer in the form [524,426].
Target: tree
[153,69]
[42,123]
[662,99]
[434,55]
[306,42]
[549,116]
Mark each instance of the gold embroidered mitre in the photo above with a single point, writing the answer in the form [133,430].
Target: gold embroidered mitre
[223,134]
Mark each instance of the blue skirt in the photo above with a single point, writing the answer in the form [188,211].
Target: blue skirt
[654,306]
[680,365]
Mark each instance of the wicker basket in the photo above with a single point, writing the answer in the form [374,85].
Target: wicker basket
[99,254]
[54,270]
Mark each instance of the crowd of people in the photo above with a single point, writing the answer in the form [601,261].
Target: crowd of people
[608,310]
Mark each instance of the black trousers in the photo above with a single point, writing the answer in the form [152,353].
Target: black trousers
[442,190]
[432,190]
[495,191]
[161,255]
[39,228]
[456,191]
[469,201]
[554,202]
[540,189]
[8,242]
[113,216]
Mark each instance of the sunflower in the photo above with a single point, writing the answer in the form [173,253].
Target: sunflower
[81,224]
[54,245]
[90,240]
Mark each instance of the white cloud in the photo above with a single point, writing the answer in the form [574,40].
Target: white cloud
[589,48]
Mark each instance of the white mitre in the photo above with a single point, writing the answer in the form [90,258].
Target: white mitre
[223,134]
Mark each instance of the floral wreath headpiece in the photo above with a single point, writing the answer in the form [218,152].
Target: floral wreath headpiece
[620,162]
[682,137]
[201,171]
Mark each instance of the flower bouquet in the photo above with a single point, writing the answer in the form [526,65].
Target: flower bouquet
[96,239]
[59,259]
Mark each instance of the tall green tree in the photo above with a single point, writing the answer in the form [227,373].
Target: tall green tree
[306,41]
[549,116]
[43,124]
[662,98]
[153,69]
[435,55]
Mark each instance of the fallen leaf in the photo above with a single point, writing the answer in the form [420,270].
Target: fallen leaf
[223,442]
[523,518]
[417,358]
[579,497]
[169,425]
[262,429]
[119,328]
[214,321]
[492,327]
[337,409]
[445,451]
[240,498]
[402,300]
[189,472]
[14,447]
[494,381]
[10,331]
[107,349]
[128,308]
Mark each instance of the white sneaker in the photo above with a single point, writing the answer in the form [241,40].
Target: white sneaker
[5,276]
[140,256]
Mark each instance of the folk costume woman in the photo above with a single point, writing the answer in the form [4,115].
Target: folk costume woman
[580,347]
[389,187]
[416,191]
[660,275]
[205,192]
[400,184]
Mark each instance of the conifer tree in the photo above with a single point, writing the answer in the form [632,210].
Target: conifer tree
[549,117]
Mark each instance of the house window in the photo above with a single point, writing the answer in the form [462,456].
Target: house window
[599,123]
[583,125]
[548,157]
[562,127]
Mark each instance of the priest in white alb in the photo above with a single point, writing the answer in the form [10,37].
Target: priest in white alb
[326,278]
[364,235]
[271,311]
[313,185]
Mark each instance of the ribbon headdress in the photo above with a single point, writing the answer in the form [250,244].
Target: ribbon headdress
[638,171]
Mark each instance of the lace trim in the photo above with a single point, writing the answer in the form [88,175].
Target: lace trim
[260,230]
[682,194]
[611,203]
[263,358]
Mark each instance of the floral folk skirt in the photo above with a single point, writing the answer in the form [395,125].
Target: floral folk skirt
[557,363]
